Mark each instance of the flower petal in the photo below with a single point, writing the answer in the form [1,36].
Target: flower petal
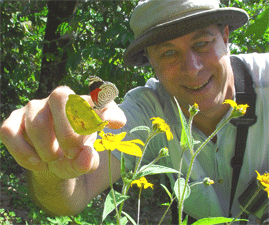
[231,102]
[129,148]
[98,145]
[147,185]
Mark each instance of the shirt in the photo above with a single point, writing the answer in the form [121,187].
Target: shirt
[152,100]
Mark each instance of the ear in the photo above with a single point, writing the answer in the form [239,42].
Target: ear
[226,35]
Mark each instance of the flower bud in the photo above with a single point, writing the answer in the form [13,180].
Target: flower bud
[164,152]
[193,110]
[207,181]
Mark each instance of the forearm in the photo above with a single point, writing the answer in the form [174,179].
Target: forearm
[58,196]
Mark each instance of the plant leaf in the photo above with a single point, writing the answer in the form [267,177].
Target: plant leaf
[109,203]
[140,128]
[153,169]
[215,220]
[129,218]
[182,183]
[260,26]
[123,220]
[185,140]
[167,191]
[185,221]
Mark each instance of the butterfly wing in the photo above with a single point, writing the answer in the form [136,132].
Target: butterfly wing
[82,117]
[102,92]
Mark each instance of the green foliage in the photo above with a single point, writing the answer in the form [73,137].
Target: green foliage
[21,37]
[244,40]
[215,220]
[153,169]
[109,203]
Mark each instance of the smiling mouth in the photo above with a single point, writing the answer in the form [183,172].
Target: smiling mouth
[199,88]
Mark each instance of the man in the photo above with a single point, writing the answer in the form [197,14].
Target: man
[186,42]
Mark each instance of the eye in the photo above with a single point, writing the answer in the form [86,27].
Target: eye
[169,53]
[201,44]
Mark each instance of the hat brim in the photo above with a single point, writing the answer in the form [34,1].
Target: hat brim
[134,54]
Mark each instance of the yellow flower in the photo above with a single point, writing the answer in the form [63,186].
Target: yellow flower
[264,181]
[114,141]
[238,110]
[142,183]
[160,125]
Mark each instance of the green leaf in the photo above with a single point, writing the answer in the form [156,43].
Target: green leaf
[182,183]
[185,221]
[129,217]
[123,220]
[215,220]
[153,169]
[185,140]
[109,203]
[140,128]
[260,26]
[167,191]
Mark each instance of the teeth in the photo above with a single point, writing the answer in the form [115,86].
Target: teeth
[195,88]
[198,87]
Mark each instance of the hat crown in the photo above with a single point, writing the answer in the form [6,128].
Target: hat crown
[151,13]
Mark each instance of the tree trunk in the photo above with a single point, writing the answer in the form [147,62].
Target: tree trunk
[54,49]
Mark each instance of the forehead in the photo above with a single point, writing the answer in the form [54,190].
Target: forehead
[196,35]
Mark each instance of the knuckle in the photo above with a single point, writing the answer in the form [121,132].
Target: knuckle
[37,115]
[5,131]
[10,125]
[60,93]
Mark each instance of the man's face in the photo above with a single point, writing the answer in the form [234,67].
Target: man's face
[195,68]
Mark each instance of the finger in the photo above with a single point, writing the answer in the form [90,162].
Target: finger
[87,161]
[111,113]
[70,142]
[114,115]
[39,128]
[12,135]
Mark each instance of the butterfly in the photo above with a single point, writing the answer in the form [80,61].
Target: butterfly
[82,117]
[102,92]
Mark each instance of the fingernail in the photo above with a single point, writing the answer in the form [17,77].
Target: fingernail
[34,160]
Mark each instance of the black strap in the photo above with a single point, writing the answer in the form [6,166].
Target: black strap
[245,94]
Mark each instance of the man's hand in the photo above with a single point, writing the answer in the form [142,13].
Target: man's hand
[40,137]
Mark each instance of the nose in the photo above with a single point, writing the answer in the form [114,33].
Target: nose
[191,64]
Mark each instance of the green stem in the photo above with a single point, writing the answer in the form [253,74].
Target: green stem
[190,133]
[180,208]
[154,161]
[212,135]
[138,208]
[166,211]
[124,192]
[184,189]
[126,187]
[111,186]
[250,200]
[151,135]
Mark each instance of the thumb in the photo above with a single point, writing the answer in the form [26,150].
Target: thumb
[111,113]
[114,115]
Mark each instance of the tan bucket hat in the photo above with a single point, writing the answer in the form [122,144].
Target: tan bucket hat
[157,21]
